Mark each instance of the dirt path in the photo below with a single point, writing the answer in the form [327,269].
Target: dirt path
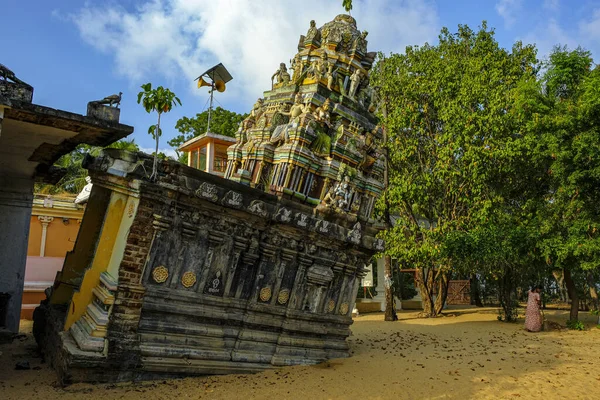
[466,355]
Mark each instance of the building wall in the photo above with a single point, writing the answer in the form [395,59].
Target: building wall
[60,236]
[62,219]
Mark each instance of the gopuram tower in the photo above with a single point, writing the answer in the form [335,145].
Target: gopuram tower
[313,136]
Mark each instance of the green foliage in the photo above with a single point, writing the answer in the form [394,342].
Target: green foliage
[160,100]
[595,312]
[572,217]
[74,179]
[464,174]
[347,4]
[575,325]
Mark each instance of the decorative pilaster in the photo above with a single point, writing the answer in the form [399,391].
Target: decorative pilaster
[45,220]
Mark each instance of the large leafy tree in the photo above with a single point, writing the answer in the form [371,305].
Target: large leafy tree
[223,122]
[74,179]
[160,100]
[458,149]
[571,228]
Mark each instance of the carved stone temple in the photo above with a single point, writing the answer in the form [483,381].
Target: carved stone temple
[194,274]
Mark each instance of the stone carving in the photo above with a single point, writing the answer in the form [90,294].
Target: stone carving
[265,294]
[110,100]
[188,279]
[7,74]
[207,191]
[338,196]
[215,284]
[355,80]
[313,33]
[322,113]
[323,226]
[344,309]
[283,297]
[302,220]
[283,77]
[379,245]
[355,234]
[331,305]
[360,43]
[160,274]
[319,275]
[232,199]
[259,208]
[284,215]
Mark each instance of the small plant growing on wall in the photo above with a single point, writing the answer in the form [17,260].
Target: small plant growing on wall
[161,100]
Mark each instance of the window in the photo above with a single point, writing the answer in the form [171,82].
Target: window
[220,164]
[202,159]
[194,159]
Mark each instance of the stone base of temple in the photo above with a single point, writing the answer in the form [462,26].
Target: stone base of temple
[193,349]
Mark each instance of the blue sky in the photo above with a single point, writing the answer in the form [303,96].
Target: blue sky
[73,51]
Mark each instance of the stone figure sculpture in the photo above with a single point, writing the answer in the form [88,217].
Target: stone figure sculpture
[360,43]
[7,74]
[110,100]
[282,75]
[313,32]
[355,79]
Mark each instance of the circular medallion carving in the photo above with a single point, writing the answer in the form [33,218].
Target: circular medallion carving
[344,309]
[265,293]
[188,279]
[330,306]
[283,297]
[160,274]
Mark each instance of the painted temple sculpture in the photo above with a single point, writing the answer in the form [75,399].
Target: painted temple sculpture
[194,274]
[313,136]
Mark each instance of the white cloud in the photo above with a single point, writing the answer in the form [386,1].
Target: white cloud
[590,30]
[179,39]
[546,36]
[508,10]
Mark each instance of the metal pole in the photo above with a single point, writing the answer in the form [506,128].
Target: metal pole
[212,89]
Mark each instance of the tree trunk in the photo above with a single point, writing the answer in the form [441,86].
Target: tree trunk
[425,284]
[155,163]
[442,293]
[593,293]
[475,292]
[507,301]
[390,310]
[574,314]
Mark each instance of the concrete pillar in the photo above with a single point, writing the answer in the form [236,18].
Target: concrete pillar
[15,214]
[210,157]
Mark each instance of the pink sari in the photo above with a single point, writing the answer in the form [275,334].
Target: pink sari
[533,316]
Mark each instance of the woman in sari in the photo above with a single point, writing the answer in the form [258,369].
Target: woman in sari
[533,316]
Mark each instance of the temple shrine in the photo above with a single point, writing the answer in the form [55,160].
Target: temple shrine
[188,273]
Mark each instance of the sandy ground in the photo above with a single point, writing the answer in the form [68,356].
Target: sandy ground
[465,355]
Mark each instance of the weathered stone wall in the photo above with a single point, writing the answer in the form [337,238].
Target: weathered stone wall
[217,277]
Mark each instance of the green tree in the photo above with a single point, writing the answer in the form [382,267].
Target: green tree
[458,148]
[571,228]
[74,179]
[160,100]
[223,122]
